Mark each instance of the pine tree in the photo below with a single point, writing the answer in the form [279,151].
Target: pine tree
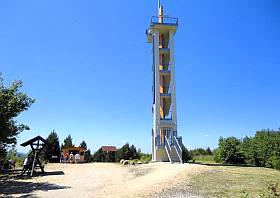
[68,141]
[53,148]
[88,157]
[209,151]
[83,145]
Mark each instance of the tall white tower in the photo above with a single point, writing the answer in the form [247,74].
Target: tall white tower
[166,145]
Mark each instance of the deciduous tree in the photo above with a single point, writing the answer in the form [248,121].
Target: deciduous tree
[230,150]
[12,103]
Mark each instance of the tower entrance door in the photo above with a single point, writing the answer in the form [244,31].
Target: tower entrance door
[165,132]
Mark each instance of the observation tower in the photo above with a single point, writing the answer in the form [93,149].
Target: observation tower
[166,144]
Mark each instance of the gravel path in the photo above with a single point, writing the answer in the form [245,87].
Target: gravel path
[104,180]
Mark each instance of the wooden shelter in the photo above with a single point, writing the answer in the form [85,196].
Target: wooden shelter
[74,150]
[37,145]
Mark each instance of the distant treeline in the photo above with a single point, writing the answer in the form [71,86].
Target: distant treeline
[201,151]
[127,152]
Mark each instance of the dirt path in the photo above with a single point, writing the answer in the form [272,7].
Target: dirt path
[109,180]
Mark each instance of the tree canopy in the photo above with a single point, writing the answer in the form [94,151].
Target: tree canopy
[83,145]
[201,151]
[230,151]
[186,155]
[263,149]
[12,103]
[53,148]
[127,152]
[68,141]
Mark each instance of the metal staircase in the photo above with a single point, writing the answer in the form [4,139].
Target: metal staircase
[174,151]
[168,149]
[178,149]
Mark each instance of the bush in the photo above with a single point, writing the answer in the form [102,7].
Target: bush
[217,155]
[229,151]
[265,147]
[88,157]
[273,162]
[261,150]
[186,155]
[13,155]
[145,157]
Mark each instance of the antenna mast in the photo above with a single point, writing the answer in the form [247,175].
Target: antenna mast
[160,12]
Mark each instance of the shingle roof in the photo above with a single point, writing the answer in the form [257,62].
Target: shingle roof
[109,148]
[74,148]
[34,140]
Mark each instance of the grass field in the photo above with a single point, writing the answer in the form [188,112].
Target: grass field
[232,181]
[205,159]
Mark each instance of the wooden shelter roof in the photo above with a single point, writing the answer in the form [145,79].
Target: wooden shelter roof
[74,148]
[34,140]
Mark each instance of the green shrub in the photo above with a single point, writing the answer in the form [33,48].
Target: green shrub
[186,155]
[146,157]
[217,156]
[273,162]
[261,150]
[230,151]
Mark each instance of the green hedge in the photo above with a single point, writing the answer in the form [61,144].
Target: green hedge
[261,150]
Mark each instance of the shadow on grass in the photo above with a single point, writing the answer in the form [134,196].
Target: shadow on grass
[219,164]
[10,184]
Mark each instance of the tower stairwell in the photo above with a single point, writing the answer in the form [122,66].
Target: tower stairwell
[166,144]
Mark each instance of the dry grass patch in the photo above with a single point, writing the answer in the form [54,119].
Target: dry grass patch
[231,181]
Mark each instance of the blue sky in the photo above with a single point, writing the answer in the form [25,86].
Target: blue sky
[89,67]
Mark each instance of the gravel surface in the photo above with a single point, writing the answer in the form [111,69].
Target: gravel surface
[102,180]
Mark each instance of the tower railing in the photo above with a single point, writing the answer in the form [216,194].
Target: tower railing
[157,141]
[167,117]
[168,148]
[178,149]
[164,20]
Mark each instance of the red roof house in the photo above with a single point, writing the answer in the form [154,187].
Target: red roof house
[109,148]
